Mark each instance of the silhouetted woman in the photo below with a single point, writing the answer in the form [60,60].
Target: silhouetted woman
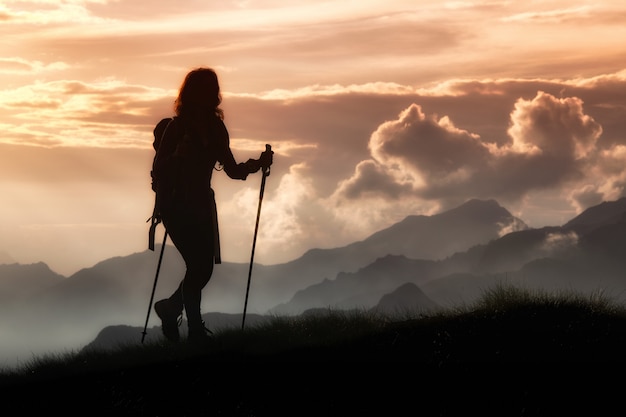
[194,141]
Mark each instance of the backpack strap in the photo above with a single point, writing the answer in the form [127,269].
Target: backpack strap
[155,219]
[159,129]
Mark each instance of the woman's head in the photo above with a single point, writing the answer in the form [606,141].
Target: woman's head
[199,94]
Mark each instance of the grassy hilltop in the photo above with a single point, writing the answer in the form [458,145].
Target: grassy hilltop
[344,362]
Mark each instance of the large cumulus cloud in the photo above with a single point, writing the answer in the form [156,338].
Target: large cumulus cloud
[550,145]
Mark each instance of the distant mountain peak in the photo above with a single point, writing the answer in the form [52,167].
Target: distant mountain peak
[406,298]
[607,212]
[475,206]
[479,202]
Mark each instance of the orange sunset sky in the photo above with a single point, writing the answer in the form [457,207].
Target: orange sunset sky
[375,110]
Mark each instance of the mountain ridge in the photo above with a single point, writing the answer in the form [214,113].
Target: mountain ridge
[117,290]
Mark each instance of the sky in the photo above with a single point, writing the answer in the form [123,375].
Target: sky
[375,110]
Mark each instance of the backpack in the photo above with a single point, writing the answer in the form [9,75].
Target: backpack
[155,219]
[158,131]
[177,171]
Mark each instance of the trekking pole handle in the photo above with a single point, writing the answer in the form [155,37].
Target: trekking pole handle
[266,170]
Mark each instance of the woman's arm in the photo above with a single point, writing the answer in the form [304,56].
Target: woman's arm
[233,169]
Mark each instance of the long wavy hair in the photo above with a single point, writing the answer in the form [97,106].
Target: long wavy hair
[199,95]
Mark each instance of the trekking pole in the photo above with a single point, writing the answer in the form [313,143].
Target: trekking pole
[266,173]
[156,277]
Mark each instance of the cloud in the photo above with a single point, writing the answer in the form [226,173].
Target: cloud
[550,16]
[417,155]
[605,179]
[556,242]
[371,177]
[293,217]
[106,112]
[426,150]
[316,90]
[49,12]
[556,128]
[551,143]
[22,66]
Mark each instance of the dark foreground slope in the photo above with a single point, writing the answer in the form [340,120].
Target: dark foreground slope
[508,356]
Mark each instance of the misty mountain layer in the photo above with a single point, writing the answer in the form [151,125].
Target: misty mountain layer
[447,259]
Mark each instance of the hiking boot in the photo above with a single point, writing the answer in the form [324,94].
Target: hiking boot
[169,319]
[199,333]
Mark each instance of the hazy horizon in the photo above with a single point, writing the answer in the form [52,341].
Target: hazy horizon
[375,111]
[5,259]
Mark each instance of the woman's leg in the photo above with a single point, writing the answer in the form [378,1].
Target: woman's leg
[195,244]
